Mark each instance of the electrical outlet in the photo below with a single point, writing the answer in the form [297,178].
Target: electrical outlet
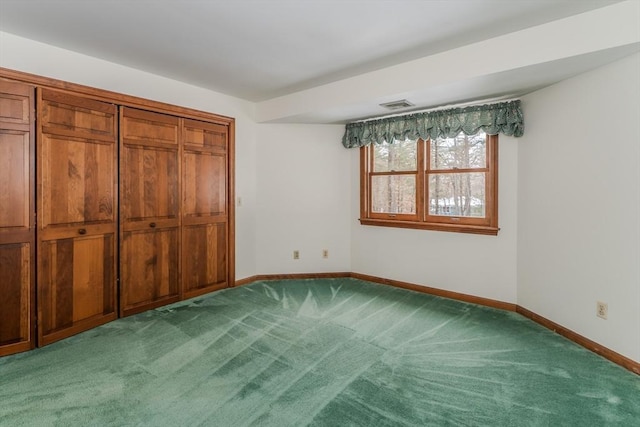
[325,253]
[296,254]
[602,310]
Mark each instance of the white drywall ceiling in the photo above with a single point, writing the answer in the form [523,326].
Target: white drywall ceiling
[264,49]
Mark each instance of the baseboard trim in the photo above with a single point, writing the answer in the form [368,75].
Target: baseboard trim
[585,342]
[437,292]
[246,281]
[294,276]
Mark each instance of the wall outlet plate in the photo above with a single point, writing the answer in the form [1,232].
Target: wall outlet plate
[296,254]
[602,310]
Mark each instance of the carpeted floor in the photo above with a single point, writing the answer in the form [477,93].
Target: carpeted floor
[333,352]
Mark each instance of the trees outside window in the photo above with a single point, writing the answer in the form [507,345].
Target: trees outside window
[442,184]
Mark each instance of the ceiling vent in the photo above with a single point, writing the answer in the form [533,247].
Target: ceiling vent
[397,105]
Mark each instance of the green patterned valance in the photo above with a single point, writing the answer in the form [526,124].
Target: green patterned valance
[505,118]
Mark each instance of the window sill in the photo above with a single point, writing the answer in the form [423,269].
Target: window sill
[457,228]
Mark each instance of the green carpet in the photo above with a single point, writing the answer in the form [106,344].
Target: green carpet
[334,352]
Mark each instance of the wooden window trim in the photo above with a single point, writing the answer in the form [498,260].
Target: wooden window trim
[422,220]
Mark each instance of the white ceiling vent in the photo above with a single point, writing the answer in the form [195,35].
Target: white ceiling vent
[397,105]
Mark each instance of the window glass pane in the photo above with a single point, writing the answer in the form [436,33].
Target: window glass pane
[461,152]
[394,194]
[457,194]
[399,156]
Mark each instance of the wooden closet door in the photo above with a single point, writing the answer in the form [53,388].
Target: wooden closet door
[77,222]
[17,213]
[149,210]
[205,216]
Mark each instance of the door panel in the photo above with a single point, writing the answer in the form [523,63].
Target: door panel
[78,175]
[205,136]
[68,297]
[204,184]
[17,214]
[149,188]
[16,302]
[149,129]
[149,210]
[150,268]
[16,104]
[77,232]
[205,267]
[15,170]
[205,218]
[70,115]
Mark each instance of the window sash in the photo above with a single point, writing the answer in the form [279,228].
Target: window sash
[419,187]
[460,200]
[422,219]
[397,215]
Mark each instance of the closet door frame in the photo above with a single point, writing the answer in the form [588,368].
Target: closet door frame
[159,107]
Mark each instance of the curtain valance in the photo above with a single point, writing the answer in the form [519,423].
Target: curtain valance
[504,117]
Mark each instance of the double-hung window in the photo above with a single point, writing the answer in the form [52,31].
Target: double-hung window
[448,184]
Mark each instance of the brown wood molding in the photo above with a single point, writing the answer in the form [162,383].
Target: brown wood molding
[246,281]
[585,342]
[295,276]
[438,292]
[114,97]
[231,205]
[417,225]
[79,326]
[593,346]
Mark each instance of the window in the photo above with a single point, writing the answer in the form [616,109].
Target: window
[446,184]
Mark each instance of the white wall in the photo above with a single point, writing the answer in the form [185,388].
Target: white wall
[304,199]
[21,54]
[471,264]
[579,204]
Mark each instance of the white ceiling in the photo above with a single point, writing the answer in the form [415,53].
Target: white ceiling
[259,50]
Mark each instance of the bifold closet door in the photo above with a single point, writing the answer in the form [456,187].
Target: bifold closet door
[204,210]
[17,213]
[149,210]
[77,218]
